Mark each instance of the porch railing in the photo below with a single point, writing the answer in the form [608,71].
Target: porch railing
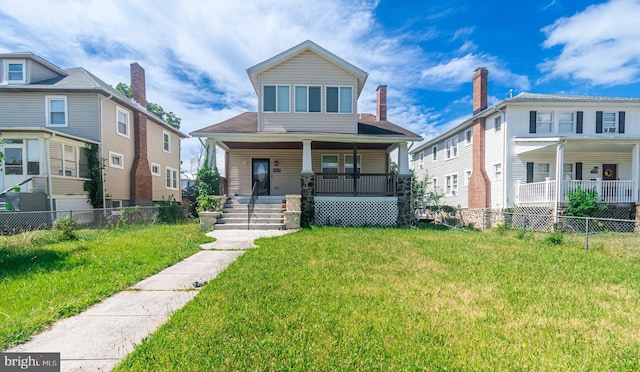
[252,204]
[364,184]
[608,191]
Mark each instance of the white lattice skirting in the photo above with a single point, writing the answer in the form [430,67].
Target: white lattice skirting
[356,211]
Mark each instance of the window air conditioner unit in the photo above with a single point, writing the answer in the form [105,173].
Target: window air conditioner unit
[610,130]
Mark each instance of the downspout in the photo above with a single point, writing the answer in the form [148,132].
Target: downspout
[47,149]
[104,189]
[559,165]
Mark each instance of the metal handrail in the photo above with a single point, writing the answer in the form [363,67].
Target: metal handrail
[4,193]
[252,203]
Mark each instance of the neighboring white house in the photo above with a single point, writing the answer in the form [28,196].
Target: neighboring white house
[514,152]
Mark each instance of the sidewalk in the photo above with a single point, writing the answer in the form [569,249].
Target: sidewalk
[97,339]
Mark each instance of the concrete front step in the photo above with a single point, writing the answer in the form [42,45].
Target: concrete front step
[244,214]
[243,226]
[261,207]
[226,220]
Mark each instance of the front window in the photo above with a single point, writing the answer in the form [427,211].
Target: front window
[123,122]
[340,99]
[308,99]
[33,157]
[171,178]
[70,161]
[567,171]
[330,165]
[13,161]
[566,122]
[451,184]
[56,111]
[166,141]
[544,122]
[348,164]
[83,164]
[275,98]
[609,122]
[14,71]
[540,172]
[497,171]
[67,161]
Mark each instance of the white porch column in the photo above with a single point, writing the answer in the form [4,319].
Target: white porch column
[559,179]
[211,151]
[635,171]
[307,167]
[403,158]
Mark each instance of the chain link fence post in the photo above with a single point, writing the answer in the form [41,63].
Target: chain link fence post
[586,235]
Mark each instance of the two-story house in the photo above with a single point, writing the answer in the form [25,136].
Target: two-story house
[308,139]
[49,115]
[532,149]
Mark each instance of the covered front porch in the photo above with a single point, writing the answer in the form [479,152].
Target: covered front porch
[555,167]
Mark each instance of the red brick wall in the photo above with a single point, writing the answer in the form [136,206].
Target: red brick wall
[479,184]
[381,105]
[480,84]
[141,180]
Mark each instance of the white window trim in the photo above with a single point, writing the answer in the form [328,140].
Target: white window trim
[121,110]
[5,70]
[173,172]
[276,110]
[159,172]
[434,184]
[358,162]
[605,130]
[497,128]
[454,190]
[449,143]
[47,111]
[468,140]
[434,155]
[164,132]
[339,93]
[307,103]
[115,154]
[573,123]
[551,123]
[467,180]
[497,175]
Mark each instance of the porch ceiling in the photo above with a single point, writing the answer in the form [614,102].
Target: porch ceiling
[298,145]
[595,145]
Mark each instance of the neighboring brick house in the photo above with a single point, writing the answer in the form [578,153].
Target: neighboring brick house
[48,115]
[515,152]
[308,139]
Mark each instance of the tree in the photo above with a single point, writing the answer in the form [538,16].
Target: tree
[93,186]
[208,177]
[1,153]
[169,117]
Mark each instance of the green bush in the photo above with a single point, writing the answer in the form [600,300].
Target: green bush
[583,203]
[169,211]
[66,227]
[209,203]
[554,238]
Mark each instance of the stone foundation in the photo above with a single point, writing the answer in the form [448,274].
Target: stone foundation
[307,185]
[405,208]
[293,212]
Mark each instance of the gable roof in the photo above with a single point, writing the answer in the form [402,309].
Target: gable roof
[308,45]
[33,57]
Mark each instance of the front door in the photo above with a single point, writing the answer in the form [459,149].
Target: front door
[260,175]
[609,173]
[13,169]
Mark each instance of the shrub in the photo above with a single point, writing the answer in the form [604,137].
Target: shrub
[554,238]
[66,226]
[169,211]
[209,203]
[208,177]
[583,203]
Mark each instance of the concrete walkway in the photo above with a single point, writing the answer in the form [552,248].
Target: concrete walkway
[97,339]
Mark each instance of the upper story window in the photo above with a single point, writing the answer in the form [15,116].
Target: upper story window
[116,160]
[451,147]
[497,123]
[308,99]
[155,169]
[56,111]
[434,153]
[166,141]
[123,122]
[566,122]
[421,159]
[467,177]
[14,71]
[276,98]
[609,122]
[468,136]
[544,122]
[171,178]
[340,99]
[497,171]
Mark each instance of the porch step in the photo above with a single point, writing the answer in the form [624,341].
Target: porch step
[267,213]
[243,226]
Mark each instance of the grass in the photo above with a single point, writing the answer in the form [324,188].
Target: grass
[389,299]
[43,279]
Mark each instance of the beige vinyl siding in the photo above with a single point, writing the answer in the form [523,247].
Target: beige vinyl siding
[36,72]
[308,68]
[287,181]
[67,186]
[29,110]
[117,181]
[157,155]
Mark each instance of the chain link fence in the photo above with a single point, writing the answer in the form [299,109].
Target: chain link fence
[18,222]
[578,226]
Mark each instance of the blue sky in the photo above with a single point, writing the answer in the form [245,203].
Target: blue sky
[196,52]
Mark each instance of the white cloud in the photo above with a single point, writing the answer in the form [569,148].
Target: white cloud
[599,45]
[450,75]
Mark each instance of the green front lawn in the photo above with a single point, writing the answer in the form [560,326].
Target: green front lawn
[389,299]
[42,279]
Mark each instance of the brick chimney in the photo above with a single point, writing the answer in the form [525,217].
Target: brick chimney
[381,103]
[141,192]
[480,184]
[480,83]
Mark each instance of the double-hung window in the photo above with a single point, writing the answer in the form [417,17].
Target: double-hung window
[340,100]
[166,141]
[451,184]
[14,72]
[451,147]
[544,122]
[609,122]
[497,123]
[56,111]
[348,165]
[468,137]
[567,171]
[171,178]
[123,122]
[566,122]
[540,172]
[308,99]
[116,160]
[467,177]
[330,165]
[155,169]
[434,153]
[275,98]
